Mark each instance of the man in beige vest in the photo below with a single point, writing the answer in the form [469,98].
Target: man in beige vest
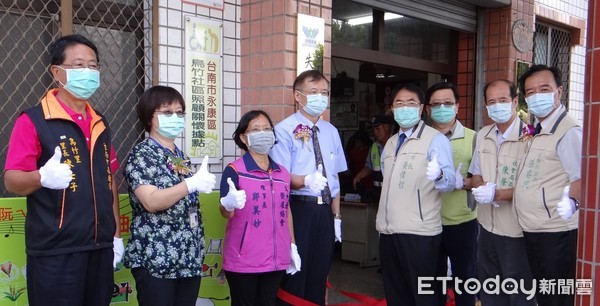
[417,167]
[498,153]
[548,186]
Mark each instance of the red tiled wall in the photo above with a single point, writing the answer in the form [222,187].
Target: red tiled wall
[465,78]
[268,60]
[588,253]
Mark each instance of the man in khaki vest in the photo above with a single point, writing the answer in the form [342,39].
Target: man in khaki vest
[548,186]
[417,168]
[498,153]
[459,224]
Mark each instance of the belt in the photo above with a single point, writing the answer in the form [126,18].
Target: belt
[305,198]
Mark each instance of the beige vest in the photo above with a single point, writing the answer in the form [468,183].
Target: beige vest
[541,180]
[500,166]
[409,202]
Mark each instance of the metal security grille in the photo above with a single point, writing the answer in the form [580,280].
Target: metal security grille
[121,29]
[552,47]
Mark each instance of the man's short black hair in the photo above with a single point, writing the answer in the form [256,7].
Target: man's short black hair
[57,48]
[440,86]
[414,88]
[311,76]
[537,68]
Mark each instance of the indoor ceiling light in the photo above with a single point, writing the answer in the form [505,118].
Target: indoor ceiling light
[369,19]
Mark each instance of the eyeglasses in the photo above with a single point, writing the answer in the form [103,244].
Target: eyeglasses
[79,67]
[315,92]
[169,113]
[440,103]
[399,104]
[267,129]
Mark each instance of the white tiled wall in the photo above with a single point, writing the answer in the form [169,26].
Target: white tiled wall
[578,9]
[171,67]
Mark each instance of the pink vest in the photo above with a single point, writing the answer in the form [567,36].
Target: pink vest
[257,238]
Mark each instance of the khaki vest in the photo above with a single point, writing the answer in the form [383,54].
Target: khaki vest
[500,166]
[455,209]
[541,181]
[409,202]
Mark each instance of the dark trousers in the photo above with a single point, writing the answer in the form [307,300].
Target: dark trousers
[249,289]
[313,230]
[153,291]
[459,243]
[83,278]
[405,258]
[552,256]
[503,257]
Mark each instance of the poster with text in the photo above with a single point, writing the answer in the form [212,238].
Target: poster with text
[203,89]
[311,37]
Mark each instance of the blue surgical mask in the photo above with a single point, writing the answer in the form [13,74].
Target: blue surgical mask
[82,83]
[315,104]
[540,104]
[443,114]
[500,112]
[261,142]
[170,127]
[406,116]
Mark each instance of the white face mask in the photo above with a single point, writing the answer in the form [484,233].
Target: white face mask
[261,142]
[500,112]
[315,104]
[541,104]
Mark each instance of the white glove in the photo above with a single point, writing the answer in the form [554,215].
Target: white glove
[54,174]
[566,207]
[296,263]
[337,226]
[316,181]
[234,198]
[433,168]
[460,181]
[202,181]
[118,249]
[484,194]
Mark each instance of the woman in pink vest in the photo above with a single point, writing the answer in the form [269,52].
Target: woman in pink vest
[259,243]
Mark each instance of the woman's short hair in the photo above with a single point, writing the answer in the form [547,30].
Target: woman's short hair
[152,99]
[243,126]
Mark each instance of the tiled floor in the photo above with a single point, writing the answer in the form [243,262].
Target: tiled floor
[349,276]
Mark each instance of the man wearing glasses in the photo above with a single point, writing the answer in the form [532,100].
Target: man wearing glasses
[459,217]
[311,149]
[60,156]
[417,168]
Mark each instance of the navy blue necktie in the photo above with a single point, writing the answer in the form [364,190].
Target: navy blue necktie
[325,193]
[400,142]
[538,128]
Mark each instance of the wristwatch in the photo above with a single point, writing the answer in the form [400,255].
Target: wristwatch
[337,216]
[576,203]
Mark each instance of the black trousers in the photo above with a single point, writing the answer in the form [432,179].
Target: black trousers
[83,278]
[405,258]
[503,257]
[249,289]
[552,256]
[315,239]
[459,243]
[153,291]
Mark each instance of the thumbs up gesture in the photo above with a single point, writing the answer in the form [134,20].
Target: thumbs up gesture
[566,207]
[460,180]
[433,168]
[202,181]
[234,198]
[54,174]
[316,181]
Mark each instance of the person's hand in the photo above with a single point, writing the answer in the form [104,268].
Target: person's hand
[296,263]
[355,181]
[202,181]
[460,181]
[54,174]
[566,207]
[337,226]
[433,168]
[484,194]
[118,250]
[234,198]
[316,181]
